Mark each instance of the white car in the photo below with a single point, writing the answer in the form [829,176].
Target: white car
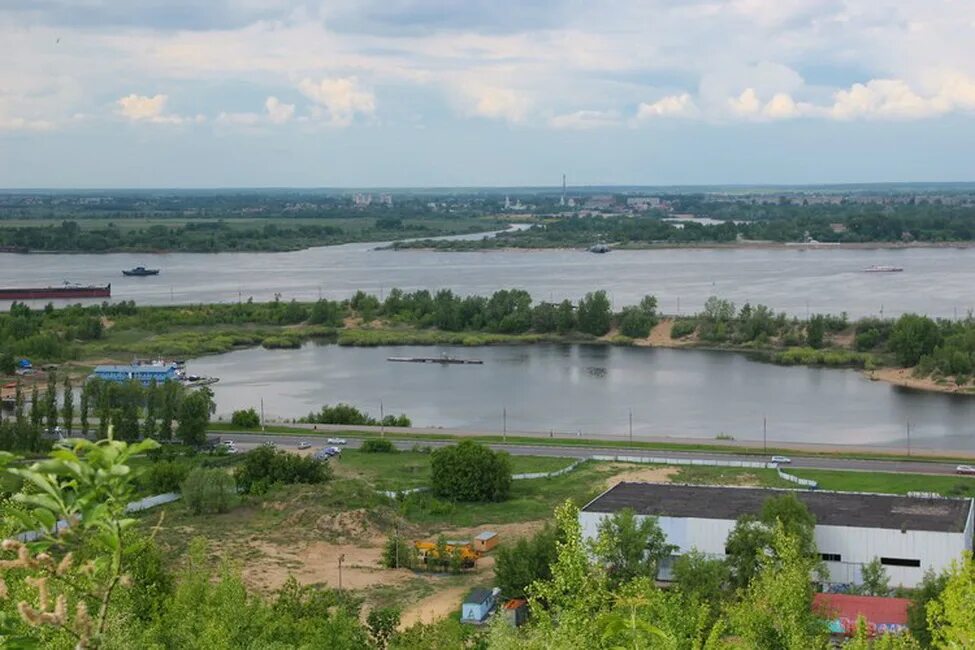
[781,459]
[304,444]
[965,469]
[227,443]
[337,441]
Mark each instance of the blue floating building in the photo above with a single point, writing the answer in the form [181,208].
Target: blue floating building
[143,373]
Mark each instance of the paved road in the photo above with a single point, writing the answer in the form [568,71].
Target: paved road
[317,439]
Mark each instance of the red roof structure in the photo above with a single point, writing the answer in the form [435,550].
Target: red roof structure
[884,615]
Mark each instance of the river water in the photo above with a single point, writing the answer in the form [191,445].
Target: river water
[592,389]
[938,282]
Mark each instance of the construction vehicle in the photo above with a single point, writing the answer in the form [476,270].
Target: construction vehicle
[429,553]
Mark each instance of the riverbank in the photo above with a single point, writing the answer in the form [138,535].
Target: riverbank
[476,246]
[905,378]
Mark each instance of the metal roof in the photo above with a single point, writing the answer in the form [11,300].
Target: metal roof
[134,369]
[478,597]
[486,535]
[830,508]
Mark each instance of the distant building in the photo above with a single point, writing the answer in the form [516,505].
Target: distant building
[361,200]
[142,373]
[644,203]
[485,541]
[909,535]
[515,611]
[838,228]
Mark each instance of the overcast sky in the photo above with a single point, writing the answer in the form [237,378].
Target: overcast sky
[186,93]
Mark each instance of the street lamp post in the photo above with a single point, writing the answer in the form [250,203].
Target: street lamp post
[764,434]
[631,426]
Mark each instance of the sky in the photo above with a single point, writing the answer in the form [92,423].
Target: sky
[360,93]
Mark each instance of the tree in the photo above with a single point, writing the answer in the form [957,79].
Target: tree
[267,466]
[518,565]
[170,399]
[399,553]
[382,623]
[635,323]
[51,401]
[917,612]
[629,546]
[194,416]
[67,405]
[913,337]
[815,331]
[775,610]
[565,317]
[469,471]
[875,581]
[700,576]
[752,536]
[209,491]
[950,618]
[83,410]
[36,412]
[594,315]
[247,419]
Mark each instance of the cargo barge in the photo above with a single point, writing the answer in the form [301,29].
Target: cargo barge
[442,359]
[66,291]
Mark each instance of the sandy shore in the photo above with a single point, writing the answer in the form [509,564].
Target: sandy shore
[761,245]
[904,377]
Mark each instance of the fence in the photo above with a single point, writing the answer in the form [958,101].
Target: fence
[134,506]
[805,482]
[654,460]
[558,472]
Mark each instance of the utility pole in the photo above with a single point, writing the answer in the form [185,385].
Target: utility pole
[764,434]
[631,426]
[262,415]
[382,417]
[504,424]
[341,559]
[908,437]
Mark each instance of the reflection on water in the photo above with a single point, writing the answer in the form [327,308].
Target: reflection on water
[591,388]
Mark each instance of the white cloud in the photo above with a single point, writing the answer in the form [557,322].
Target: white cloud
[896,99]
[781,107]
[337,100]
[141,108]
[581,120]
[277,112]
[671,106]
[494,102]
[746,104]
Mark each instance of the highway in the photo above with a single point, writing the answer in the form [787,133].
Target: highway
[246,440]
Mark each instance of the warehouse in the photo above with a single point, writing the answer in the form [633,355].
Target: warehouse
[909,534]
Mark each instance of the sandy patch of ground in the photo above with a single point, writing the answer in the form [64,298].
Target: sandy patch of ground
[904,377]
[506,532]
[318,563]
[660,337]
[435,607]
[643,475]
[843,339]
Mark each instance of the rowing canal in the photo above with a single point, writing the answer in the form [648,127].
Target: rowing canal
[593,389]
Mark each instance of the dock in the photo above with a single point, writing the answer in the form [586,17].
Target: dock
[443,360]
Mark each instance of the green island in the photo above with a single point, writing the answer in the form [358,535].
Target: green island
[734,224]
[911,350]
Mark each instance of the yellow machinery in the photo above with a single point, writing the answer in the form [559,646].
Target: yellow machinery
[428,552]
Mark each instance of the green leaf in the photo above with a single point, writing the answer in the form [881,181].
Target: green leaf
[46,518]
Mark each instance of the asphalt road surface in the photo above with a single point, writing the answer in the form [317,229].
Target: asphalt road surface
[246,440]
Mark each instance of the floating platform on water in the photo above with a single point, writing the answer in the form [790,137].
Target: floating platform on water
[443,360]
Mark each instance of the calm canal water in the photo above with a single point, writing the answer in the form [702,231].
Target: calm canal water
[570,388]
[934,281]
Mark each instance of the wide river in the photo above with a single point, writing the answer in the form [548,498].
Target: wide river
[938,282]
[592,390]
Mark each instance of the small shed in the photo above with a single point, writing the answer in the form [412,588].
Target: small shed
[477,606]
[485,541]
[515,611]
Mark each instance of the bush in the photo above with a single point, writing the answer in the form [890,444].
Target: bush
[209,490]
[471,472]
[248,419]
[377,446]
[165,476]
[267,466]
[682,328]
[348,414]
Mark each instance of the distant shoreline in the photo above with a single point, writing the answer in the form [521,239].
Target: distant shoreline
[757,245]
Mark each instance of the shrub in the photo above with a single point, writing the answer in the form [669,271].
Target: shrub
[209,490]
[471,472]
[266,466]
[248,419]
[682,328]
[165,476]
[377,446]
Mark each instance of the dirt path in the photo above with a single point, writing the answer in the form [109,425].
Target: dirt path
[433,608]
[643,475]
[660,337]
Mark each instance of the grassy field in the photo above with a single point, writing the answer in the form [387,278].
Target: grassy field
[890,483]
[411,469]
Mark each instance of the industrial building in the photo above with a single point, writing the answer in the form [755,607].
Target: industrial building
[909,534]
[144,373]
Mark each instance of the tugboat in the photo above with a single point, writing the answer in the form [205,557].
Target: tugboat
[140,271]
[599,248]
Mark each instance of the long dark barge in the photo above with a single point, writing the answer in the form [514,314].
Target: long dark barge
[67,291]
[444,359]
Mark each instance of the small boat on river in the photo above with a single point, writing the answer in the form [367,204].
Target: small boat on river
[139,272]
[882,268]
